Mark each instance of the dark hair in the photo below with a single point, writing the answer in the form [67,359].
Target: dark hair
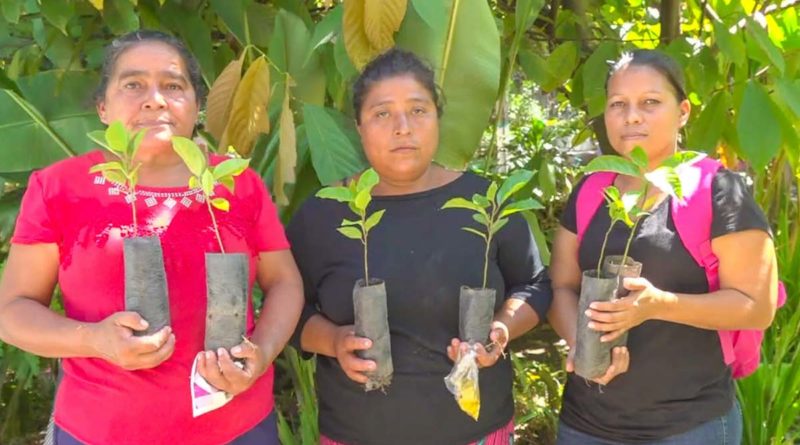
[664,64]
[393,63]
[124,43]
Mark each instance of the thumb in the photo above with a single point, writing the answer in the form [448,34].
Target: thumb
[245,349]
[635,283]
[130,320]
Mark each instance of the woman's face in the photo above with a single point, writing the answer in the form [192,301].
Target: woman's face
[399,128]
[149,89]
[642,109]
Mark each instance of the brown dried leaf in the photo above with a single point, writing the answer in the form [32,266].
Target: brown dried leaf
[249,114]
[355,38]
[382,18]
[220,97]
[287,150]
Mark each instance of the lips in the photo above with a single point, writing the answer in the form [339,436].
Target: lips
[404,148]
[633,136]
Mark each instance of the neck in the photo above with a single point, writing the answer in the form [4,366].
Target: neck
[157,158]
[428,180]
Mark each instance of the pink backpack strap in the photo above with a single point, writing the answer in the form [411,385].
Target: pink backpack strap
[590,197]
[692,218]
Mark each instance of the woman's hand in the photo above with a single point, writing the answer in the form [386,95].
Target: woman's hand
[114,340]
[620,360]
[221,372]
[485,356]
[345,345]
[620,315]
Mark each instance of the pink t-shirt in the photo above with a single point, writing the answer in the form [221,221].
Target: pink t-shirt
[87,217]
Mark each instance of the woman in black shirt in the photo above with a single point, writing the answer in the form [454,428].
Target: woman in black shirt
[677,389]
[424,257]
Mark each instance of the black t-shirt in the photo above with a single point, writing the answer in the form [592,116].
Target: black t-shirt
[677,378]
[424,257]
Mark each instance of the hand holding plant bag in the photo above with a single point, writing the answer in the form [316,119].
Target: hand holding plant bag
[592,355]
[145,276]
[369,295]
[476,306]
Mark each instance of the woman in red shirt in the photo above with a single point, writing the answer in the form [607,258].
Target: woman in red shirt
[124,389]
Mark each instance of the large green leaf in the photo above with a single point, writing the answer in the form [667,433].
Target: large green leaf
[731,45]
[594,85]
[612,163]
[287,50]
[58,13]
[789,92]
[335,147]
[195,33]
[706,131]
[757,33]
[465,52]
[433,13]
[758,128]
[120,16]
[49,122]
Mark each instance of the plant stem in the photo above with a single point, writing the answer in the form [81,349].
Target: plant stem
[214,221]
[603,249]
[486,257]
[627,246]
[366,244]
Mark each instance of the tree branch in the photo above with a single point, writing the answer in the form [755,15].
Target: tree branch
[670,18]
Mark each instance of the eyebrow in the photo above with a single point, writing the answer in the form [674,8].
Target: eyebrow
[415,100]
[170,74]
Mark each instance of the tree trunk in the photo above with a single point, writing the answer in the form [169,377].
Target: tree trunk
[670,18]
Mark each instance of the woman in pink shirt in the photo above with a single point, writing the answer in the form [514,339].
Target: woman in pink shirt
[118,388]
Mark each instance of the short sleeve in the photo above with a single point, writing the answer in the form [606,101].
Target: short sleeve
[569,218]
[734,209]
[35,224]
[267,234]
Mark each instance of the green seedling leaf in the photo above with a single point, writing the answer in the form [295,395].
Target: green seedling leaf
[499,225]
[113,165]
[481,200]
[194,182]
[133,176]
[521,206]
[341,194]
[611,163]
[368,180]
[228,182]
[513,184]
[115,177]
[350,232]
[117,138]
[221,204]
[491,192]
[362,200]
[207,181]
[639,157]
[136,142]
[681,158]
[99,138]
[667,180]
[350,222]
[230,168]
[373,220]
[481,219]
[461,203]
[352,206]
[191,154]
[471,230]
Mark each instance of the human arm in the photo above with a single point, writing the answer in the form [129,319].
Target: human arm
[27,322]
[747,297]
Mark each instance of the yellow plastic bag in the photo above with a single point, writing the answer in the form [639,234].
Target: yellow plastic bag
[462,382]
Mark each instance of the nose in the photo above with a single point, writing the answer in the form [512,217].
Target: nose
[632,115]
[154,99]
[401,126]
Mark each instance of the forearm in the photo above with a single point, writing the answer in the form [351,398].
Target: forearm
[563,314]
[518,317]
[282,305]
[319,336]
[725,309]
[31,326]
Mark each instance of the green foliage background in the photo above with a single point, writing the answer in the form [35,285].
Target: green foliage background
[524,82]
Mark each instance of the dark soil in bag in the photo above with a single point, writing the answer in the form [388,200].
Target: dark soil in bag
[475,314]
[372,322]
[227,277]
[146,282]
[592,358]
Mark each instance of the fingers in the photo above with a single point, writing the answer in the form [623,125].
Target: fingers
[637,283]
[353,366]
[150,343]
[620,360]
[130,320]
[613,335]
[453,349]
[159,355]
